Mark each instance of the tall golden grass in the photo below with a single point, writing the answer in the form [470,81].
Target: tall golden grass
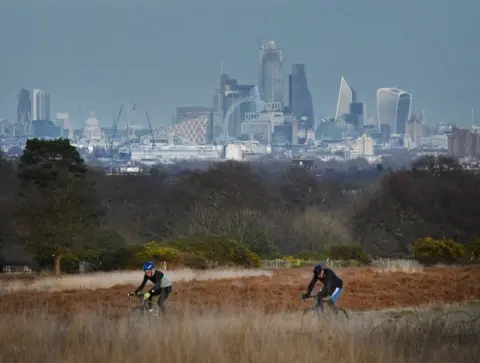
[240,337]
[104,280]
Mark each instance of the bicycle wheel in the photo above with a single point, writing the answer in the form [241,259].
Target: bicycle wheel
[341,312]
[309,316]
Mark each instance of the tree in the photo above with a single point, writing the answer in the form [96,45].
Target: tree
[56,204]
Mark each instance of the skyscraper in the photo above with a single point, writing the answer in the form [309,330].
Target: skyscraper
[271,74]
[40,105]
[393,109]
[357,114]
[24,107]
[300,97]
[346,96]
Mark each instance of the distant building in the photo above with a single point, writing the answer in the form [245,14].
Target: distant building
[393,109]
[40,105]
[231,91]
[271,78]
[415,129]
[463,143]
[62,119]
[189,112]
[198,131]
[91,128]
[357,114]
[300,99]
[363,146]
[346,96]
[24,107]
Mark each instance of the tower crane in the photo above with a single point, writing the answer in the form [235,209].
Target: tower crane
[151,130]
[114,132]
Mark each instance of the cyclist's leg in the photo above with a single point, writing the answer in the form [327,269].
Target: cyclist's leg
[164,292]
[150,303]
[333,299]
[320,296]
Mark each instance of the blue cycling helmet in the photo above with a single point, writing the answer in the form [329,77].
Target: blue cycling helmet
[148,266]
[317,269]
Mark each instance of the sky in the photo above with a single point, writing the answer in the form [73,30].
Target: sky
[99,54]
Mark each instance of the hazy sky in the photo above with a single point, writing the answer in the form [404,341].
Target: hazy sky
[162,54]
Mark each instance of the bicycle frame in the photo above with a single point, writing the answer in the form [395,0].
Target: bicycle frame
[145,305]
[318,308]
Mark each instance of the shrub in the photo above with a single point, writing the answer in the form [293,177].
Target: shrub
[153,251]
[294,262]
[217,248]
[311,256]
[194,261]
[428,250]
[472,250]
[261,245]
[349,252]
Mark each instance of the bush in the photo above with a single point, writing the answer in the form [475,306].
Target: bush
[472,250]
[194,261]
[122,258]
[262,246]
[349,252]
[153,251]
[216,248]
[428,250]
[311,256]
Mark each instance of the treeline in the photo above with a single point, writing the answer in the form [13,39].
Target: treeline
[55,211]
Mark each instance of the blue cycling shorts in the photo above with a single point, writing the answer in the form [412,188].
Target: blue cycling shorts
[336,294]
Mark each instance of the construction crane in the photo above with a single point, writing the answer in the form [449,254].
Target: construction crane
[114,132]
[151,130]
[131,121]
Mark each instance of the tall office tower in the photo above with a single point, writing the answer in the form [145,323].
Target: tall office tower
[346,96]
[393,109]
[40,105]
[271,74]
[357,114]
[300,97]
[24,107]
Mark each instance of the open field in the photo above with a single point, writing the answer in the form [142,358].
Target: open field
[425,336]
[220,316]
[269,291]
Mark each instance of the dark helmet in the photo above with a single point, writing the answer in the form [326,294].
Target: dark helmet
[317,269]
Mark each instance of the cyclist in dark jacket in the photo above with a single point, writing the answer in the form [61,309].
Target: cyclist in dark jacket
[162,285]
[332,286]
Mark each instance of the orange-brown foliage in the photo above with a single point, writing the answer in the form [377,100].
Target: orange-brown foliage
[364,289]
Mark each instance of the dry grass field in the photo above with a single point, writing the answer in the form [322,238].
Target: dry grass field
[223,316]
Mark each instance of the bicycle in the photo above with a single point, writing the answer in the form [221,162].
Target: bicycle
[315,311]
[146,307]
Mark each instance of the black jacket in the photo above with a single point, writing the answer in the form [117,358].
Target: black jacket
[156,278]
[330,282]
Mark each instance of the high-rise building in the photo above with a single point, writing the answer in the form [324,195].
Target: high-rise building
[271,74]
[357,114]
[462,143]
[40,105]
[231,91]
[393,109]
[346,96]
[415,129]
[62,120]
[301,100]
[24,107]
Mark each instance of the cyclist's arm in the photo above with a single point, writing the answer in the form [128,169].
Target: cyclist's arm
[155,290]
[142,285]
[311,285]
[327,287]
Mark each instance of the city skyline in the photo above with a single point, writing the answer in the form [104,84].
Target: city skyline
[118,63]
